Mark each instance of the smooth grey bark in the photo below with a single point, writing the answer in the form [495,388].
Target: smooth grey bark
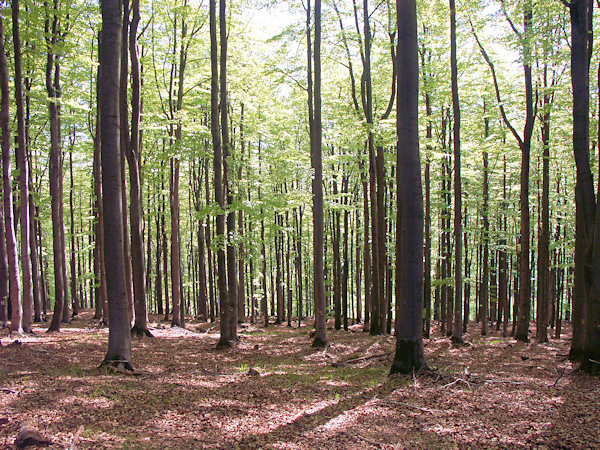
[11,240]
[119,335]
[224,323]
[23,165]
[316,157]
[133,152]
[409,355]
[228,177]
[458,282]
[56,174]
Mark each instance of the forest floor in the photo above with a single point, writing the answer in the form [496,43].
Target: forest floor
[491,392]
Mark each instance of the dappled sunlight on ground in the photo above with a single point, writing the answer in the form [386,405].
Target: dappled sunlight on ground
[491,392]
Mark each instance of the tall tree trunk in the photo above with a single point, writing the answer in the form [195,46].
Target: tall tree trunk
[503,293]
[316,134]
[209,253]
[4,297]
[175,243]
[241,301]
[11,241]
[366,253]
[581,19]
[525,273]
[218,180]
[543,288]
[72,262]
[66,315]
[38,286]
[427,237]
[23,165]
[134,157]
[100,295]
[119,336]
[228,177]
[336,263]
[346,267]
[458,283]
[124,136]
[409,354]
[55,174]
[485,278]
[524,302]
[375,187]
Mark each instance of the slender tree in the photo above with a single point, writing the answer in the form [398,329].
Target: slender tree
[11,240]
[133,153]
[23,164]
[458,283]
[218,179]
[61,301]
[316,137]
[228,177]
[524,141]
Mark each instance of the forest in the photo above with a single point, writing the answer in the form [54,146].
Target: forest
[299,224]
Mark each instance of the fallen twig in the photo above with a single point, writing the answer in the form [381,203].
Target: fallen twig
[368,441]
[456,381]
[75,439]
[361,359]
[504,381]
[558,379]
[373,443]
[9,391]
[398,403]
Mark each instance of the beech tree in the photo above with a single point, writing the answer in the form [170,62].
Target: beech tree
[409,354]
[119,336]
[23,164]
[16,324]
[316,136]
[586,317]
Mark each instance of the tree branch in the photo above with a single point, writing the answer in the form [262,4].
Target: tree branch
[350,68]
[496,88]
[512,25]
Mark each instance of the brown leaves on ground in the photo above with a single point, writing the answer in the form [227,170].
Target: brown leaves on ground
[273,390]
